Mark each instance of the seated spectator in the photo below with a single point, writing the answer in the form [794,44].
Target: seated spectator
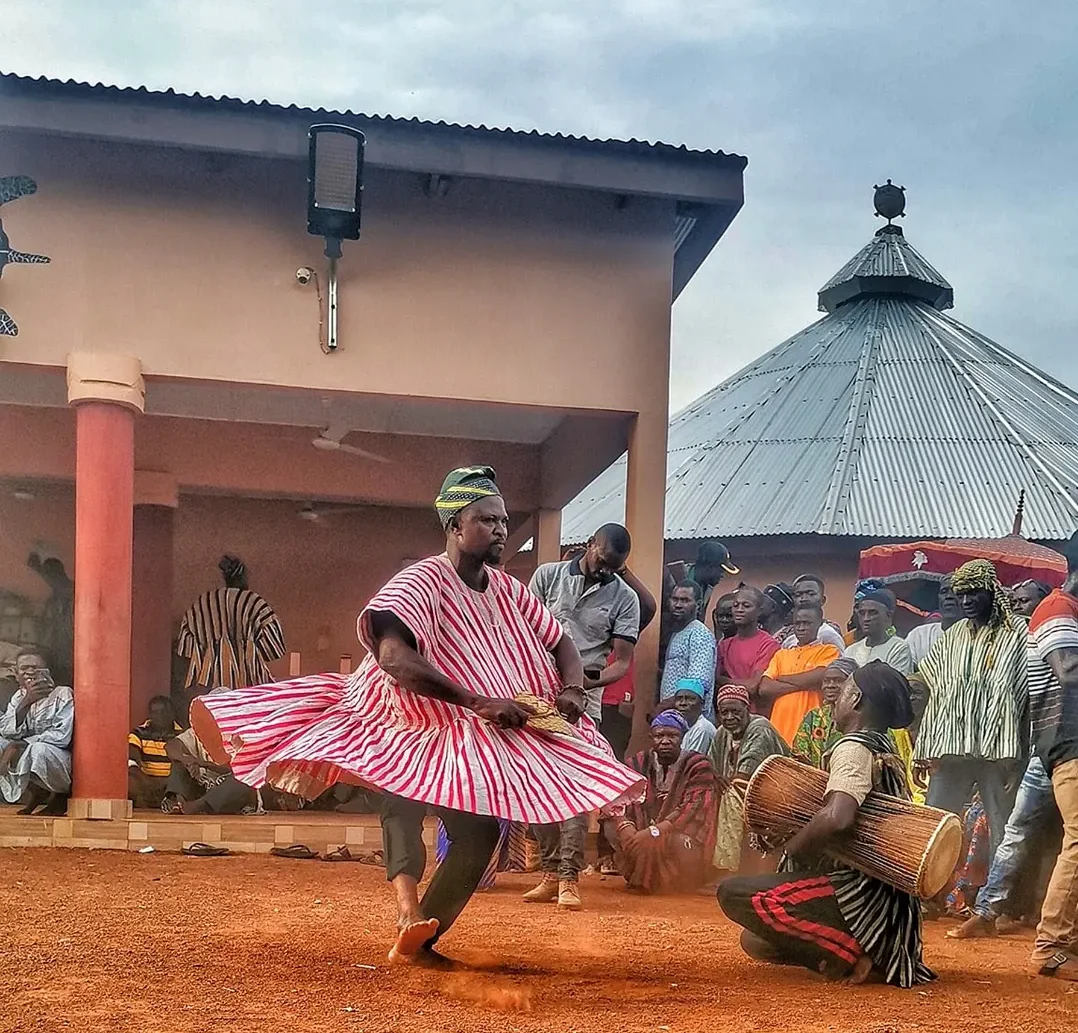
[742,743]
[818,731]
[198,785]
[663,843]
[688,701]
[9,684]
[148,766]
[791,684]
[35,738]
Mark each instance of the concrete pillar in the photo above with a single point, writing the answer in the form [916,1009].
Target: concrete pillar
[645,509]
[547,536]
[107,392]
[156,499]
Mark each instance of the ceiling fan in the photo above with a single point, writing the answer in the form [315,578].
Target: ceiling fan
[313,514]
[331,438]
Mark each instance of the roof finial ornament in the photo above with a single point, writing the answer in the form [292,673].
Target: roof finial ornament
[1016,530]
[890,201]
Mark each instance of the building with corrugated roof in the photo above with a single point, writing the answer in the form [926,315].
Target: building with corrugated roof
[885,420]
[169,393]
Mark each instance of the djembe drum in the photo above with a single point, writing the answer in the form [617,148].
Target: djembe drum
[903,844]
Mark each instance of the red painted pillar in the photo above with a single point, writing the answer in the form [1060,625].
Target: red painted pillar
[107,393]
[151,606]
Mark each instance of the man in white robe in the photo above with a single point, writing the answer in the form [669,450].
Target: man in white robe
[35,739]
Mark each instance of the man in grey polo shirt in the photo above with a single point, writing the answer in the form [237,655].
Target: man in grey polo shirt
[599,611]
[601,614]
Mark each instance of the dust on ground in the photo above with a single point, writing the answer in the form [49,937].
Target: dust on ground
[160,943]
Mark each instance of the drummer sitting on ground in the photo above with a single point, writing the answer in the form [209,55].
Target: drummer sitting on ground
[827,917]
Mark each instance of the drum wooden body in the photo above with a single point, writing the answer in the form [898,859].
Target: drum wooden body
[910,847]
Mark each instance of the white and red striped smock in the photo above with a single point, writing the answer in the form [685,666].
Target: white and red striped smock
[305,734]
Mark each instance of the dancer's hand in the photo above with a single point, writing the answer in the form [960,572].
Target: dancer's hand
[501,712]
[570,703]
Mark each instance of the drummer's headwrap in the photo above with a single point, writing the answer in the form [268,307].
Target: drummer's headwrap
[670,719]
[461,488]
[733,694]
[980,575]
[887,692]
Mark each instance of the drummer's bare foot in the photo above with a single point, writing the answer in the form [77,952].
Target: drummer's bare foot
[862,970]
[931,911]
[974,928]
[412,940]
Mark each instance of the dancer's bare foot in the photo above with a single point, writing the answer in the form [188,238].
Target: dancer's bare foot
[412,937]
[428,957]
[973,928]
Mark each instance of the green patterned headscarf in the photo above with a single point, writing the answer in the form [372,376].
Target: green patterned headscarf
[461,488]
[980,575]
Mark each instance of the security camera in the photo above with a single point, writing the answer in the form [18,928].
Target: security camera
[304,274]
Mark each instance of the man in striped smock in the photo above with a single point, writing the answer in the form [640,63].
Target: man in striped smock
[230,635]
[438,716]
[975,729]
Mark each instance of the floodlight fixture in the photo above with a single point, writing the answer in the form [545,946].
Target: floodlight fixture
[334,194]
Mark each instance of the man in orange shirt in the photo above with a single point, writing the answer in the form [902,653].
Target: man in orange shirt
[792,682]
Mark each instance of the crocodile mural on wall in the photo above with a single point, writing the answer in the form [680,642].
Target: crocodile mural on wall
[11,189]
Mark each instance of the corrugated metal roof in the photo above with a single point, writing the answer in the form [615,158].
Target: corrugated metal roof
[887,263]
[10,82]
[884,419]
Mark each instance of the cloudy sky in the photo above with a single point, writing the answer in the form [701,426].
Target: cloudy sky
[969,105]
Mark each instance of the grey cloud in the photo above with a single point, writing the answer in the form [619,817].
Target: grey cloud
[969,106]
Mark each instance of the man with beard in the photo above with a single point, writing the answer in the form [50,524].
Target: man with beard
[975,726]
[452,710]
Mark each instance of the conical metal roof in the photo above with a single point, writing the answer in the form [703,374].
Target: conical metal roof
[887,264]
[886,419]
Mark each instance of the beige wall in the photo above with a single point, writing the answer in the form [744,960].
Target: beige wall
[318,576]
[769,559]
[245,458]
[187,260]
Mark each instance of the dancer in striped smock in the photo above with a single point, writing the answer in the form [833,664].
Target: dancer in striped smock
[820,914]
[230,634]
[430,717]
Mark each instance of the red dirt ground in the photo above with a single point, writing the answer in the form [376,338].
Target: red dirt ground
[166,944]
